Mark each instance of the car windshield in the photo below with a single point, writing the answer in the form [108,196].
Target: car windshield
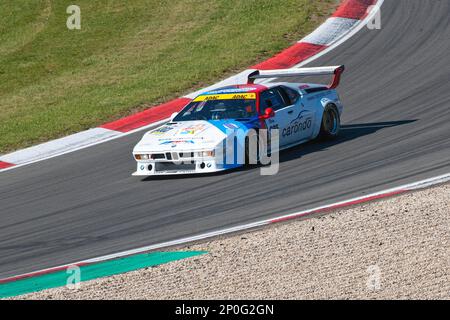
[236,109]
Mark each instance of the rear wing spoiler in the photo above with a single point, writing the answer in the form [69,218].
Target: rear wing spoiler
[336,71]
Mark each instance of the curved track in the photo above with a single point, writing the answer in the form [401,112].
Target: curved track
[397,95]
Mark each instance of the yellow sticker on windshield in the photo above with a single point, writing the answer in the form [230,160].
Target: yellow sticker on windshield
[228,96]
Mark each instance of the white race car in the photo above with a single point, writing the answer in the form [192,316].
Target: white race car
[197,139]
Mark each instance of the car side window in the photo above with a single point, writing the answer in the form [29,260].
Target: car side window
[290,95]
[271,98]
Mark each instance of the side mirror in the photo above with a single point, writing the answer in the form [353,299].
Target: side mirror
[269,113]
[173,116]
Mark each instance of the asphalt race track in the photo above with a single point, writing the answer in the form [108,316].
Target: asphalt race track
[396,90]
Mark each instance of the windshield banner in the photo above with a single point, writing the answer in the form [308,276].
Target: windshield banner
[230,96]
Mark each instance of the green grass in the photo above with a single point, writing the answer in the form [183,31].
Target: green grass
[128,55]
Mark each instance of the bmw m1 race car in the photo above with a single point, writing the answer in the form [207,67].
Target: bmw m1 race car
[213,132]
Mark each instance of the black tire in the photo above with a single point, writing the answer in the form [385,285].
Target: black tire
[331,122]
[247,153]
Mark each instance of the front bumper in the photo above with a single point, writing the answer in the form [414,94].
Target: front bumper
[151,168]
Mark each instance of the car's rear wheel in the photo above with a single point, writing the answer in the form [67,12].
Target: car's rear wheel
[331,122]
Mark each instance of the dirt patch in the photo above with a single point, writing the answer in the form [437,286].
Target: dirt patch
[391,249]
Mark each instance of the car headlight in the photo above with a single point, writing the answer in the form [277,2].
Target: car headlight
[206,153]
[142,156]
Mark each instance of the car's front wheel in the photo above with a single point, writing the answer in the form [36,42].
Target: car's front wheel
[331,122]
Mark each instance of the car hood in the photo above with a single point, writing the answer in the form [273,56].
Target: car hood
[189,135]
